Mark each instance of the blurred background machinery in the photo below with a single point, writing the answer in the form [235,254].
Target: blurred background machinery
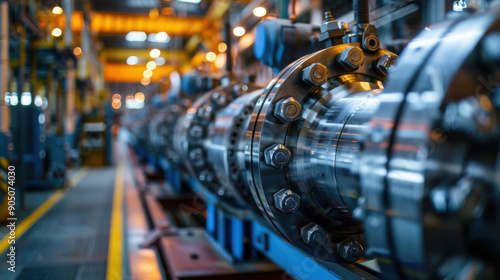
[265,139]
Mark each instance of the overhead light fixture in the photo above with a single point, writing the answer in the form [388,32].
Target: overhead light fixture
[222,47]
[56,32]
[154,53]
[132,60]
[239,31]
[77,51]
[14,100]
[136,36]
[38,101]
[154,13]
[210,56]
[145,81]
[139,97]
[57,10]
[259,11]
[160,61]
[26,98]
[190,1]
[151,65]
[116,105]
[147,73]
[7,98]
[161,37]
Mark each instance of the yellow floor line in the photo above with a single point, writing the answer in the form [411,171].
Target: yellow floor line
[29,221]
[115,258]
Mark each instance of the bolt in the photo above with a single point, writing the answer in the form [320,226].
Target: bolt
[196,156]
[206,176]
[328,16]
[287,109]
[277,155]
[315,74]
[384,63]
[350,250]
[205,112]
[313,234]
[219,98]
[286,201]
[196,131]
[351,58]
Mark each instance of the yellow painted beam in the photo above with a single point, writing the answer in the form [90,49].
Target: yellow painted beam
[122,23]
[121,72]
[119,54]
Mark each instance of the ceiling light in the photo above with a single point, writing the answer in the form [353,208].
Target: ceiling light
[14,100]
[190,1]
[116,105]
[259,12]
[145,81]
[136,36]
[160,61]
[132,60]
[139,97]
[38,101]
[116,96]
[151,65]
[154,53]
[222,47]
[161,37]
[239,31]
[56,32]
[210,56]
[57,10]
[77,51]
[26,98]
[147,73]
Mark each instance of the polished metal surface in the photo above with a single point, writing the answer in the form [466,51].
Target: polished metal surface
[352,153]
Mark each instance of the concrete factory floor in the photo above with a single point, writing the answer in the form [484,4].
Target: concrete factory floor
[66,233]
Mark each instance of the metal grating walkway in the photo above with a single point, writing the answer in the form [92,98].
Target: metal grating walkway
[71,240]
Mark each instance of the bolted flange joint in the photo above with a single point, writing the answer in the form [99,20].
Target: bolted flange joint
[277,155]
[287,201]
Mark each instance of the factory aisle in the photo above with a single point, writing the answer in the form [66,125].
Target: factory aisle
[71,240]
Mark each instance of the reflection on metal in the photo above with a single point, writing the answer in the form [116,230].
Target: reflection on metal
[404,170]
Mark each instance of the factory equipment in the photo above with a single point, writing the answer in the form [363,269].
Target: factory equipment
[348,166]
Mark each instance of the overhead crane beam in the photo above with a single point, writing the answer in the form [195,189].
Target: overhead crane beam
[121,72]
[122,23]
[121,54]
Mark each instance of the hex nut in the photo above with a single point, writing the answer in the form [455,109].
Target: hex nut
[384,63]
[313,235]
[350,250]
[196,131]
[196,156]
[205,112]
[351,58]
[277,155]
[286,201]
[287,109]
[315,74]
[219,98]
